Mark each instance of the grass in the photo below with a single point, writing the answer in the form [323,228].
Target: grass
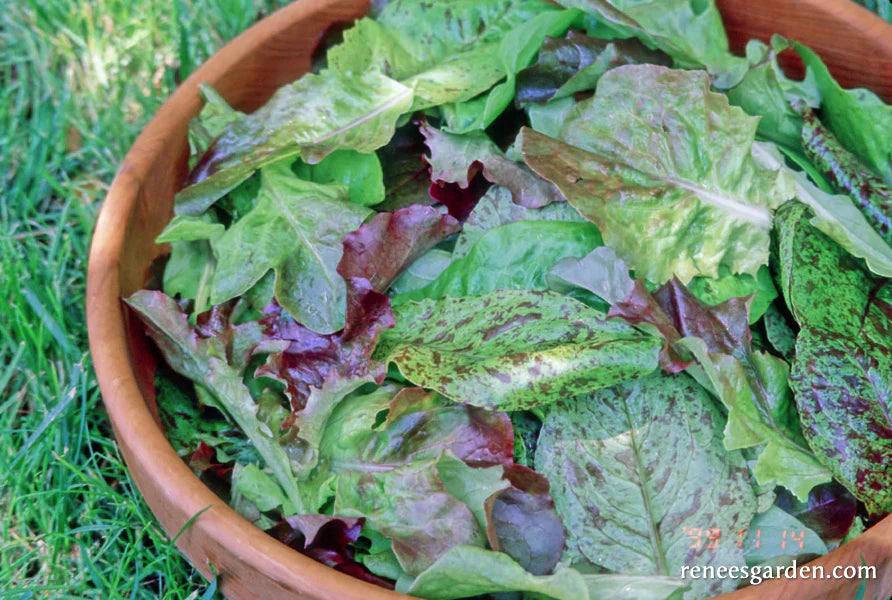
[78,81]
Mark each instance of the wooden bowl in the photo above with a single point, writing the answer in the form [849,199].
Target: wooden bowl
[856,45]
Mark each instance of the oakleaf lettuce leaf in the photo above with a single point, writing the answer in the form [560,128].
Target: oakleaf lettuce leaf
[663,166]
[633,465]
[453,157]
[296,228]
[513,349]
[211,363]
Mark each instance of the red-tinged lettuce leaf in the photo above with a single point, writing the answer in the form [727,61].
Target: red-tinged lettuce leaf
[383,247]
[752,385]
[846,173]
[312,117]
[386,469]
[513,349]
[842,373]
[327,539]
[457,158]
[521,521]
[309,359]
[647,160]
[631,466]
[406,174]
[209,362]
[459,201]
[690,32]
[843,389]
[575,62]
[830,510]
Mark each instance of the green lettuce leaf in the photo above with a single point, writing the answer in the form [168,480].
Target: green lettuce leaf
[516,50]
[689,31]
[727,285]
[190,269]
[663,167]
[215,116]
[835,215]
[497,207]
[466,571]
[513,349]
[453,157]
[296,229]
[575,62]
[632,466]
[858,117]
[361,173]
[513,256]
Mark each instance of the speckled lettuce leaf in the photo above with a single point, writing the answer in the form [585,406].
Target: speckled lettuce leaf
[313,116]
[575,62]
[632,465]
[822,284]
[846,173]
[690,32]
[514,256]
[843,389]
[466,571]
[388,472]
[452,158]
[663,166]
[513,349]
[842,373]
[836,216]
[211,364]
[296,229]
[497,207]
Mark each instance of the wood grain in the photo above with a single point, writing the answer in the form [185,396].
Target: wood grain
[857,46]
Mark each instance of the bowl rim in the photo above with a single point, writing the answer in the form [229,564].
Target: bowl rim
[216,523]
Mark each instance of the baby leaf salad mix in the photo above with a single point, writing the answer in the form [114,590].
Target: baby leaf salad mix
[507,299]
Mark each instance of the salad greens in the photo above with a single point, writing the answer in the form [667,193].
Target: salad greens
[514,300]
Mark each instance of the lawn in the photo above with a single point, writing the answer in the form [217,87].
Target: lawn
[78,80]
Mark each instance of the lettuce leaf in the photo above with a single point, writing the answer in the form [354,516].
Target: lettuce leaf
[633,465]
[663,167]
[513,349]
[689,31]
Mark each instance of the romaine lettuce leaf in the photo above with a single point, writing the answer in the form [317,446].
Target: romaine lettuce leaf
[513,349]
[663,166]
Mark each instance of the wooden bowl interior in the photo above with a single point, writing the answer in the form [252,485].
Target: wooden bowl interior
[246,72]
